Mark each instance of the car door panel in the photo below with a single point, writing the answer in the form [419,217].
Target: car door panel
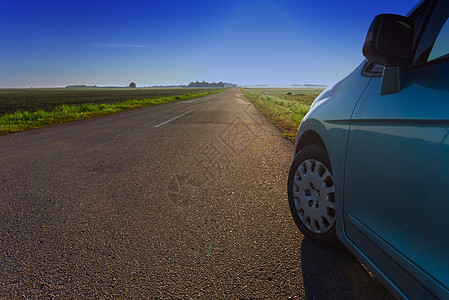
[402,138]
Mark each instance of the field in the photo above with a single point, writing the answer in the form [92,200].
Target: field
[31,100]
[284,107]
[23,109]
[26,109]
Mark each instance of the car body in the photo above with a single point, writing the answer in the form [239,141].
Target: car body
[371,166]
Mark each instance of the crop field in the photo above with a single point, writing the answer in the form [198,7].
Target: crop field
[35,108]
[31,100]
[284,91]
[283,107]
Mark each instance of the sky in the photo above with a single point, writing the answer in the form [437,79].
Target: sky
[276,42]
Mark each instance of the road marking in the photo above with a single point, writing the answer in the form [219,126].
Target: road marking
[146,124]
[199,100]
[196,102]
[172,119]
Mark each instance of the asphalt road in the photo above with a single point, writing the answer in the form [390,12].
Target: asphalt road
[180,200]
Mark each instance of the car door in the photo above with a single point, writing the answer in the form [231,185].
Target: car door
[396,195]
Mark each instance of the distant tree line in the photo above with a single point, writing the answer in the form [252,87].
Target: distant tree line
[80,86]
[208,84]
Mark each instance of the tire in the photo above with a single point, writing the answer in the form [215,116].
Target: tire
[311,195]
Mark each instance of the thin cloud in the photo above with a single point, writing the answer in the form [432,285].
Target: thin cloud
[119,45]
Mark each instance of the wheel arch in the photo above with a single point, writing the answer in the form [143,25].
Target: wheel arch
[309,137]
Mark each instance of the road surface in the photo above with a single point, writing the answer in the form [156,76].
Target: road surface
[180,200]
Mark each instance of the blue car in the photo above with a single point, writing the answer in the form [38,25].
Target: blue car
[371,161]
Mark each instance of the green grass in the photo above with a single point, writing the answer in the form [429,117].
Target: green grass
[283,110]
[25,120]
[12,100]
[209,250]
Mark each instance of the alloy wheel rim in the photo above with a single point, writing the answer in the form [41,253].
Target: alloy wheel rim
[314,197]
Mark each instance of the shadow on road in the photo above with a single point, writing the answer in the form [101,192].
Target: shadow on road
[337,274]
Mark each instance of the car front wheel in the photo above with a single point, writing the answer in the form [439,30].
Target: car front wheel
[311,195]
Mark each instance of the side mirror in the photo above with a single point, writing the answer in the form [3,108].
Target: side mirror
[389,41]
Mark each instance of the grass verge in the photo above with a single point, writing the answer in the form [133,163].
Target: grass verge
[34,99]
[24,120]
[283,108]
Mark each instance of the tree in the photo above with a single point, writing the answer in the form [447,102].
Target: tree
[132,85]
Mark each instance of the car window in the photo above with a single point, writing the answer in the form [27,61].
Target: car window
[435,29]
[440,48]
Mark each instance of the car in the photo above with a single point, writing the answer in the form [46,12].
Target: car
[371,158]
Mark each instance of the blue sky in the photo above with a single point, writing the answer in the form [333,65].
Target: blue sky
[277,42]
